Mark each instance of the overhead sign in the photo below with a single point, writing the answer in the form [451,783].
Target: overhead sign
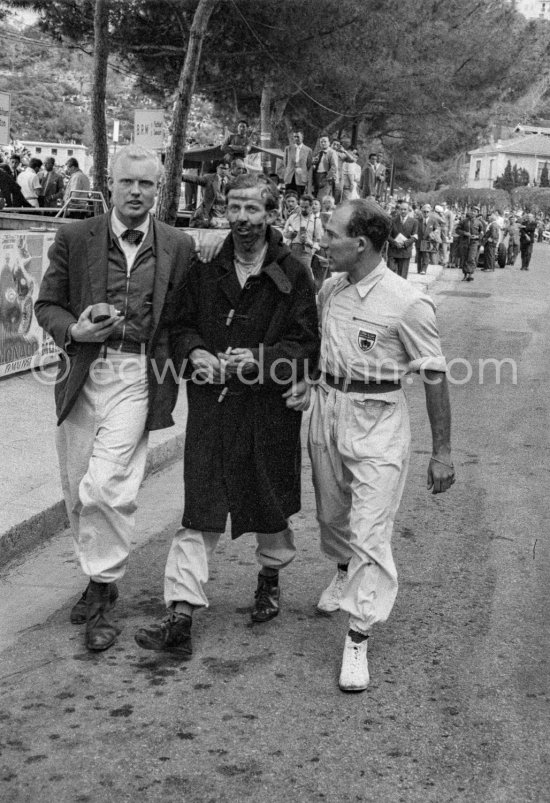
[149,128]
[5,108]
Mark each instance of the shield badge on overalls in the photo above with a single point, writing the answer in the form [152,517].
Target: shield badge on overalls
[366,340]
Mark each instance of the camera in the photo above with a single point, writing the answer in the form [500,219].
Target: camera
[102,312]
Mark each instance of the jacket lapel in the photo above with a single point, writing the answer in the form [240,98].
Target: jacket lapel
[98,259]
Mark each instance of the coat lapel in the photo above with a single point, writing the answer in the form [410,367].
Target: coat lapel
[164,259]
[228,282]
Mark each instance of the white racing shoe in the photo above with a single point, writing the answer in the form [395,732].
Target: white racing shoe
[354,674]
[329,601]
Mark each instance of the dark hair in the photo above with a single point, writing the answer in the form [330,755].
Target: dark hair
[368,219]
[15,156]
[291,194]
[372,154]
[248,181]
[35,163]
[324,135]
[242,121]
[307,197]
[72,162]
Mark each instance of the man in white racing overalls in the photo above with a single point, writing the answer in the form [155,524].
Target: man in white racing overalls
[376,328]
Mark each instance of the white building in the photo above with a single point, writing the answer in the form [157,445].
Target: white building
[60,151]
[534,8]
[530,152]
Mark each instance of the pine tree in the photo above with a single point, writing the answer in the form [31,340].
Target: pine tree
[508,178]
[544,182]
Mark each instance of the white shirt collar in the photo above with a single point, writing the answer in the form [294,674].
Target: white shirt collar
[366,284]
[119,228]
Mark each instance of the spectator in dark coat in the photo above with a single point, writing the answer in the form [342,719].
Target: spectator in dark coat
[403,235]
[10,189]
[527,235]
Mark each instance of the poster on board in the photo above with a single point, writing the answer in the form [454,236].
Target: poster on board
[23,261]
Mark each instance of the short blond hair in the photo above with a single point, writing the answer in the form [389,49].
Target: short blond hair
[136,152]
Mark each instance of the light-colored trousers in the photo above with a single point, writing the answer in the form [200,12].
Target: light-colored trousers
[359,450]
[102,448]
[186,571]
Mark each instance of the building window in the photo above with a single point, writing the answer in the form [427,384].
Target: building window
[478,169]
[491,166]
[540,168]
[38,150]
[54,151]
[70,152]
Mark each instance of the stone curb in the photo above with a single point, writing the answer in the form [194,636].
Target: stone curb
[37,529]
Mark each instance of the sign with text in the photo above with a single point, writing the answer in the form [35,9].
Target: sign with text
[5,107]
[149,128]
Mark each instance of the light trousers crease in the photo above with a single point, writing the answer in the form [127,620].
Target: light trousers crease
[102,449]
[359,449]
[186,572]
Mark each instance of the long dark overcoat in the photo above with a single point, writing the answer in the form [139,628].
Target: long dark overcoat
[242,454]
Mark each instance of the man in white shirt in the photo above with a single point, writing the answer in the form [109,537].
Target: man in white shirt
[303,232]
[30,183]
[351,177]
[78,181]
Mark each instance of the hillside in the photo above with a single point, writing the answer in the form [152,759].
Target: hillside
[50,84]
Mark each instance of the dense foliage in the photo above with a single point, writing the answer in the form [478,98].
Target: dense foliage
[421,78]
[512,177]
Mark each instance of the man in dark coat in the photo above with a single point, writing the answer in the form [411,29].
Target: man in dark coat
[470,230]
[490,243]
[367,185]
[213,201]
[403,235]
[113,386]
[251,336]
[10,189]
[527,234]
[429,238]
[53,186]
[238,145]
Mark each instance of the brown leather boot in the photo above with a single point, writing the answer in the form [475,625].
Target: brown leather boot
[100,633]
[78,611]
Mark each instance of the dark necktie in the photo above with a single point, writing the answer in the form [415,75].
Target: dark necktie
[133,236]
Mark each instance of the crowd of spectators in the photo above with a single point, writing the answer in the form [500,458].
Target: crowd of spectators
[28,182]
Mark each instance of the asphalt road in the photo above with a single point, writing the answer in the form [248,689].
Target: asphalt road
[458,706]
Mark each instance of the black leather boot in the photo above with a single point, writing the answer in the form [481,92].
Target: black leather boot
[78,611]
[266,599]
[172,635]
[100,633]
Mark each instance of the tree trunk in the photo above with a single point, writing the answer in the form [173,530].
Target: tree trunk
[167,208]
[265,125]
[354,133]
[99,123]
